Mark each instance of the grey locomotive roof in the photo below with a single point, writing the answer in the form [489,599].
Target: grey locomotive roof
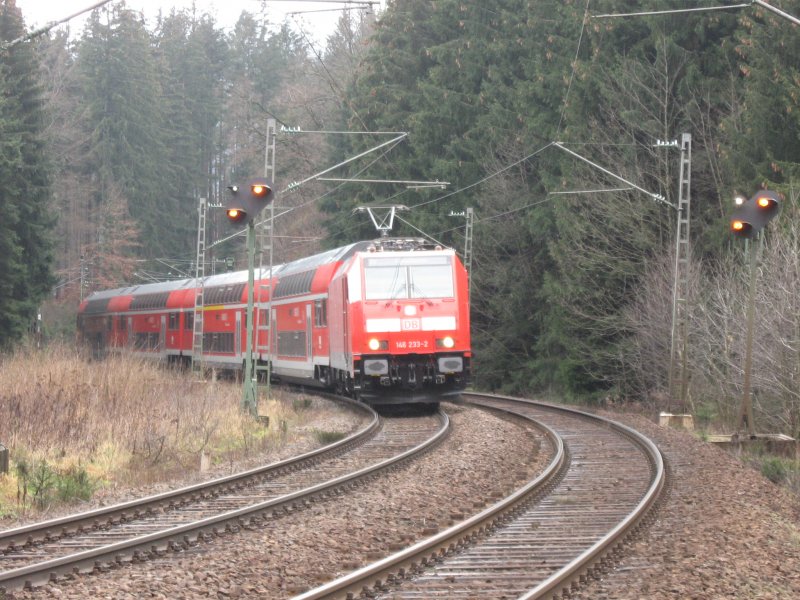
[317,260]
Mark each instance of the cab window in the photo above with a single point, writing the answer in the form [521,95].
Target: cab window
[388,278]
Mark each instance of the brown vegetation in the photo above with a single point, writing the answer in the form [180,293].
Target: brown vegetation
[73,424]
[719,295]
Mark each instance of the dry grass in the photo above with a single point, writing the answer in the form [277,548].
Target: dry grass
[122,420]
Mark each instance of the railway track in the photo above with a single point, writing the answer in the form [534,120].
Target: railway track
[142,529]
[541,541]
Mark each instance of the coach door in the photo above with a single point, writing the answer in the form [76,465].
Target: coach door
[309,336]
[237,337]
[162,338]
[346,354]
[262,331]
[273,336]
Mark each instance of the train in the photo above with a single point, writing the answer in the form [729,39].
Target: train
[385,321]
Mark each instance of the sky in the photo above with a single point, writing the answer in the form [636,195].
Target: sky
[318,24]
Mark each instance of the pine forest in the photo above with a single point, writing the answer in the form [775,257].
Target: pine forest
[558,126]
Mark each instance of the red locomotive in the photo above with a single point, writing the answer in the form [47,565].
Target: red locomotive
[385,321]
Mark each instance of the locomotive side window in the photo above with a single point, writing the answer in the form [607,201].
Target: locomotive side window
[408,277]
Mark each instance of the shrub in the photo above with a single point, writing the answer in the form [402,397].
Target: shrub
[774,469]
[44,483]
[74,483]
[328,437]
[35,478]
[705,414]
[301,404]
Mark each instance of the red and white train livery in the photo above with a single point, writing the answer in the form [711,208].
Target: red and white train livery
[386,321]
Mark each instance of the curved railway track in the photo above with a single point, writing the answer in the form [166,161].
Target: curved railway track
[546,537]
[35,554]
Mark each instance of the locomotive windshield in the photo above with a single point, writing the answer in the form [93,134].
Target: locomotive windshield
[388,278]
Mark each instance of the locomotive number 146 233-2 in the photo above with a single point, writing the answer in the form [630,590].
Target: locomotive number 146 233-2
[411,345]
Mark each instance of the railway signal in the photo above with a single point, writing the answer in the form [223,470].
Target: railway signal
[244,203]
[752,215]
[242,206]
[748,219]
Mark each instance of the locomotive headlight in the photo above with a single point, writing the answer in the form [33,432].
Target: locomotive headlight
[446,342]
[376,344]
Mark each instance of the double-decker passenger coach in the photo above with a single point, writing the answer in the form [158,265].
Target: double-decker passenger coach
[385,321]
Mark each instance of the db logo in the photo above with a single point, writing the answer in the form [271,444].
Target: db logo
[410,325]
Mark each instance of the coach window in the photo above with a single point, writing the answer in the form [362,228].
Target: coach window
[263,318]
[321,313]
[174,321]
[121,322]
[189,323]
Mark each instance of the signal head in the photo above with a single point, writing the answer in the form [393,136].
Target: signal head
[751,216]
[235,207]
[245,204]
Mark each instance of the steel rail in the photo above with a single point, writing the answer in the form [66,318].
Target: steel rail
[429,550]
[377,577]
[182,536]
[54,528]
[569,575]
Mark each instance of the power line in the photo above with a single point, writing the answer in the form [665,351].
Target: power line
[574,68]
[420,231]
[760,3]
[656,197]
[513,210]
[391,144]
[49,26]
[488,177]
[670,12]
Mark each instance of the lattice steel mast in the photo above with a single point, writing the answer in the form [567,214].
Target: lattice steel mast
[678,362]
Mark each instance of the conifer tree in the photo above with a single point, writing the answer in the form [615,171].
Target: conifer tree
[25,177]
[124,107]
